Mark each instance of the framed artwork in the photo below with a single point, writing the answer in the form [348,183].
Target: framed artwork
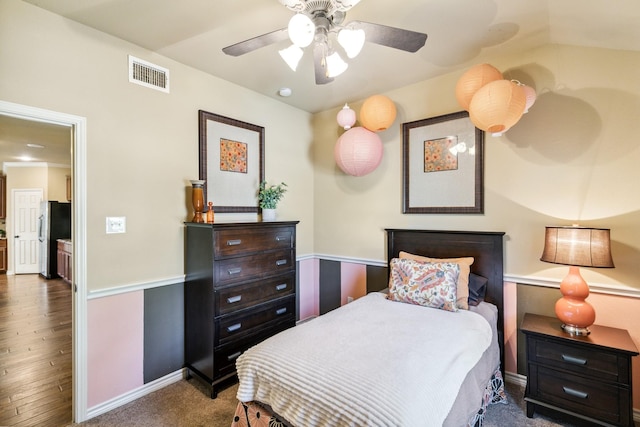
[231,162]
[443,165]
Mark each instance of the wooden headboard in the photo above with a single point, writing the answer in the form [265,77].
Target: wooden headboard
[485,247]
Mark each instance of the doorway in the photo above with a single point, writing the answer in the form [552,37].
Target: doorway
[77,125]
[26,227]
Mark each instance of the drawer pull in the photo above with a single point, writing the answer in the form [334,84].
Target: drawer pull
[281,238]
[237,298]
[574,360]
[234,328]
[281,262]
[575,393]
[233,271]
[281,311]
[234,356]
[234,242]
[281,287]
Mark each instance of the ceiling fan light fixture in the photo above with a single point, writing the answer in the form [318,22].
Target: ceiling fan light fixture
[351,41]
[301,30]
[292,56]
[335,65]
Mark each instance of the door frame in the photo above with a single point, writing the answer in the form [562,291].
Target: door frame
[78,125]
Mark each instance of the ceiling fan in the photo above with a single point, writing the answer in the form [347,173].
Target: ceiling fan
[314,22]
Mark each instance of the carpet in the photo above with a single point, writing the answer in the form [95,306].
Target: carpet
[187,404]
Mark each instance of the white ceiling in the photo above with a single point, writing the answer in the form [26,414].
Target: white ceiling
[461,33]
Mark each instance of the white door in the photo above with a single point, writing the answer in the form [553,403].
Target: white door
[26,210]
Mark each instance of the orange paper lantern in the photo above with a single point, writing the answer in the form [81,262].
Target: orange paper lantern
[475,78]
[497,106]
[377,113]
[358,151]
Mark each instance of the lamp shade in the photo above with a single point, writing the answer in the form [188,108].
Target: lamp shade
[301,30]
[346,117]
[358,151]
[472,80]
[497,106]
[377,113]
[578,246]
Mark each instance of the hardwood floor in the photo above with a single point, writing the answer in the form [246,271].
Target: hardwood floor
[35,351]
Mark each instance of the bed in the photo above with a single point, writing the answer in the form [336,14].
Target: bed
[379,361]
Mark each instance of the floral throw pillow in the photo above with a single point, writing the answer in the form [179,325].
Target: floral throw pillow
[422,283]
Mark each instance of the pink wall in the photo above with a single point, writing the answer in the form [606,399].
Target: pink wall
[353,279]
[308,293]
[115,347]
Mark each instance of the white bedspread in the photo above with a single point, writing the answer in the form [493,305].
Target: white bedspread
[372,362]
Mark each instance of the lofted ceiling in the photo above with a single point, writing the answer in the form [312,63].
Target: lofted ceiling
[461,33]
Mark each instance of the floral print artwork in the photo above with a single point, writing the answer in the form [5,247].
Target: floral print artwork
[233,156]
[438,154]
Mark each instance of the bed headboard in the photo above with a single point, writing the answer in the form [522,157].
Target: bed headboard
[485,247]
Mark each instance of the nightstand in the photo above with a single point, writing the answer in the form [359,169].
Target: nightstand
[585,376]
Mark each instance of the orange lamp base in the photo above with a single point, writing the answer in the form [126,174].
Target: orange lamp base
[573,311]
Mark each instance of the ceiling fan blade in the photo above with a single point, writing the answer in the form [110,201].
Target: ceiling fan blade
[397,38]
[320,64]
[256,43]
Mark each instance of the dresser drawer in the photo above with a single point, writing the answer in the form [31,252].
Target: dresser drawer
[601,400]
[253,267]
[237,297]
[225,355]
[579,359]
[254,320]
[233,242]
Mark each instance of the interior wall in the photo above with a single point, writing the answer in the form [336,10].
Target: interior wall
[569,160]
[142,144]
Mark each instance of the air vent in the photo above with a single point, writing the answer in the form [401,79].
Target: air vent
[147,74]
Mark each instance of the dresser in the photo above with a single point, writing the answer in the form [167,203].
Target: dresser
[240,289]
[585,376]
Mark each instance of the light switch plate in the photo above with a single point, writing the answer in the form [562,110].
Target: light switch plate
[116,224]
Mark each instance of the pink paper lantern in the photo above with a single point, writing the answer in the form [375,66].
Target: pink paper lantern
[530,94]
[346,117]
[358,151]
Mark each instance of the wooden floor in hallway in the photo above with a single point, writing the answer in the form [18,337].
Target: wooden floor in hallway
[35,351]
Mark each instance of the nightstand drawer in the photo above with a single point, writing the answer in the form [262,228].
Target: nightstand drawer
[234,298]
[600,400]
[234,242]
[596,364]
[253,267]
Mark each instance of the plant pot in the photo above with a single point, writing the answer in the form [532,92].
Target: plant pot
[268,214]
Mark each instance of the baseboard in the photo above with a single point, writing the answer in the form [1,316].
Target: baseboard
[136,393]
[521,380]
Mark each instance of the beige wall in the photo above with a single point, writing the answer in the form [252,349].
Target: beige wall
[572,158]
[142,144]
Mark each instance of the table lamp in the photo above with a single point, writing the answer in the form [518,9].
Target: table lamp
[576,247]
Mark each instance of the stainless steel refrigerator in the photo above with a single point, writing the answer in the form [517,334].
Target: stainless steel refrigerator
[54,224]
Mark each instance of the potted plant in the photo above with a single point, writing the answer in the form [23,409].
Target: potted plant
[268,198]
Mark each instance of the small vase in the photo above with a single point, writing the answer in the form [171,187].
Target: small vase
[268,214]
[197,198]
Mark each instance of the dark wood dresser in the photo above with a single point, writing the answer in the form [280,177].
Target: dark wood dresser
[585,376]
[240,289]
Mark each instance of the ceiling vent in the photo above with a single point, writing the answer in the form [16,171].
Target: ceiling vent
[147,74]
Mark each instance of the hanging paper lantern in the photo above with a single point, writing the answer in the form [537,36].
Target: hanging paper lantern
[475,78]
[530,95]
[358,151]
[346,117]
[377,113]
[497,106]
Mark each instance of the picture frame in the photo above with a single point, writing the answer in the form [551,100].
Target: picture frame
[231,162]
[443,166]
